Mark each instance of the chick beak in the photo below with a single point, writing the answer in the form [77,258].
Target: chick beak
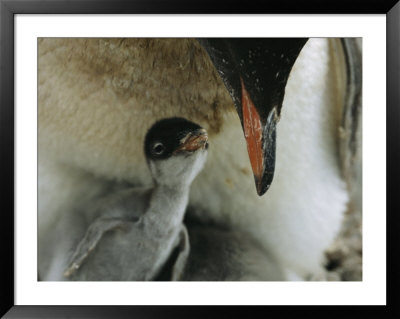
[193,141]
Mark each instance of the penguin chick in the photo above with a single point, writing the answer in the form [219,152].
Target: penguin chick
[176,151]
[235,256]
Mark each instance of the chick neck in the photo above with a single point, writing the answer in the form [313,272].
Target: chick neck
[167,207]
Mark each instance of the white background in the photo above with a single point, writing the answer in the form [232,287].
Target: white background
[372,290]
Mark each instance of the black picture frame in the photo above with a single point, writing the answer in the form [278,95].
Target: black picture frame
[8,10]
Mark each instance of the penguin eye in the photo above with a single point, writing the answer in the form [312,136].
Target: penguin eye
[158,148]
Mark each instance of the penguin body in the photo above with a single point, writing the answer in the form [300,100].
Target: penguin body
[97,97]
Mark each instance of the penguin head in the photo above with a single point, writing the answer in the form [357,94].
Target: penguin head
[255,72]
[176,150]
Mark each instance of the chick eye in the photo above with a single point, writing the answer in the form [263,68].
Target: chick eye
[158,148]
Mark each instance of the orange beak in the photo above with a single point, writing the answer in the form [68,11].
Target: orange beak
[260,139]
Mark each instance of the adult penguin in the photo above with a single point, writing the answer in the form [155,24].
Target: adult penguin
[98,97]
